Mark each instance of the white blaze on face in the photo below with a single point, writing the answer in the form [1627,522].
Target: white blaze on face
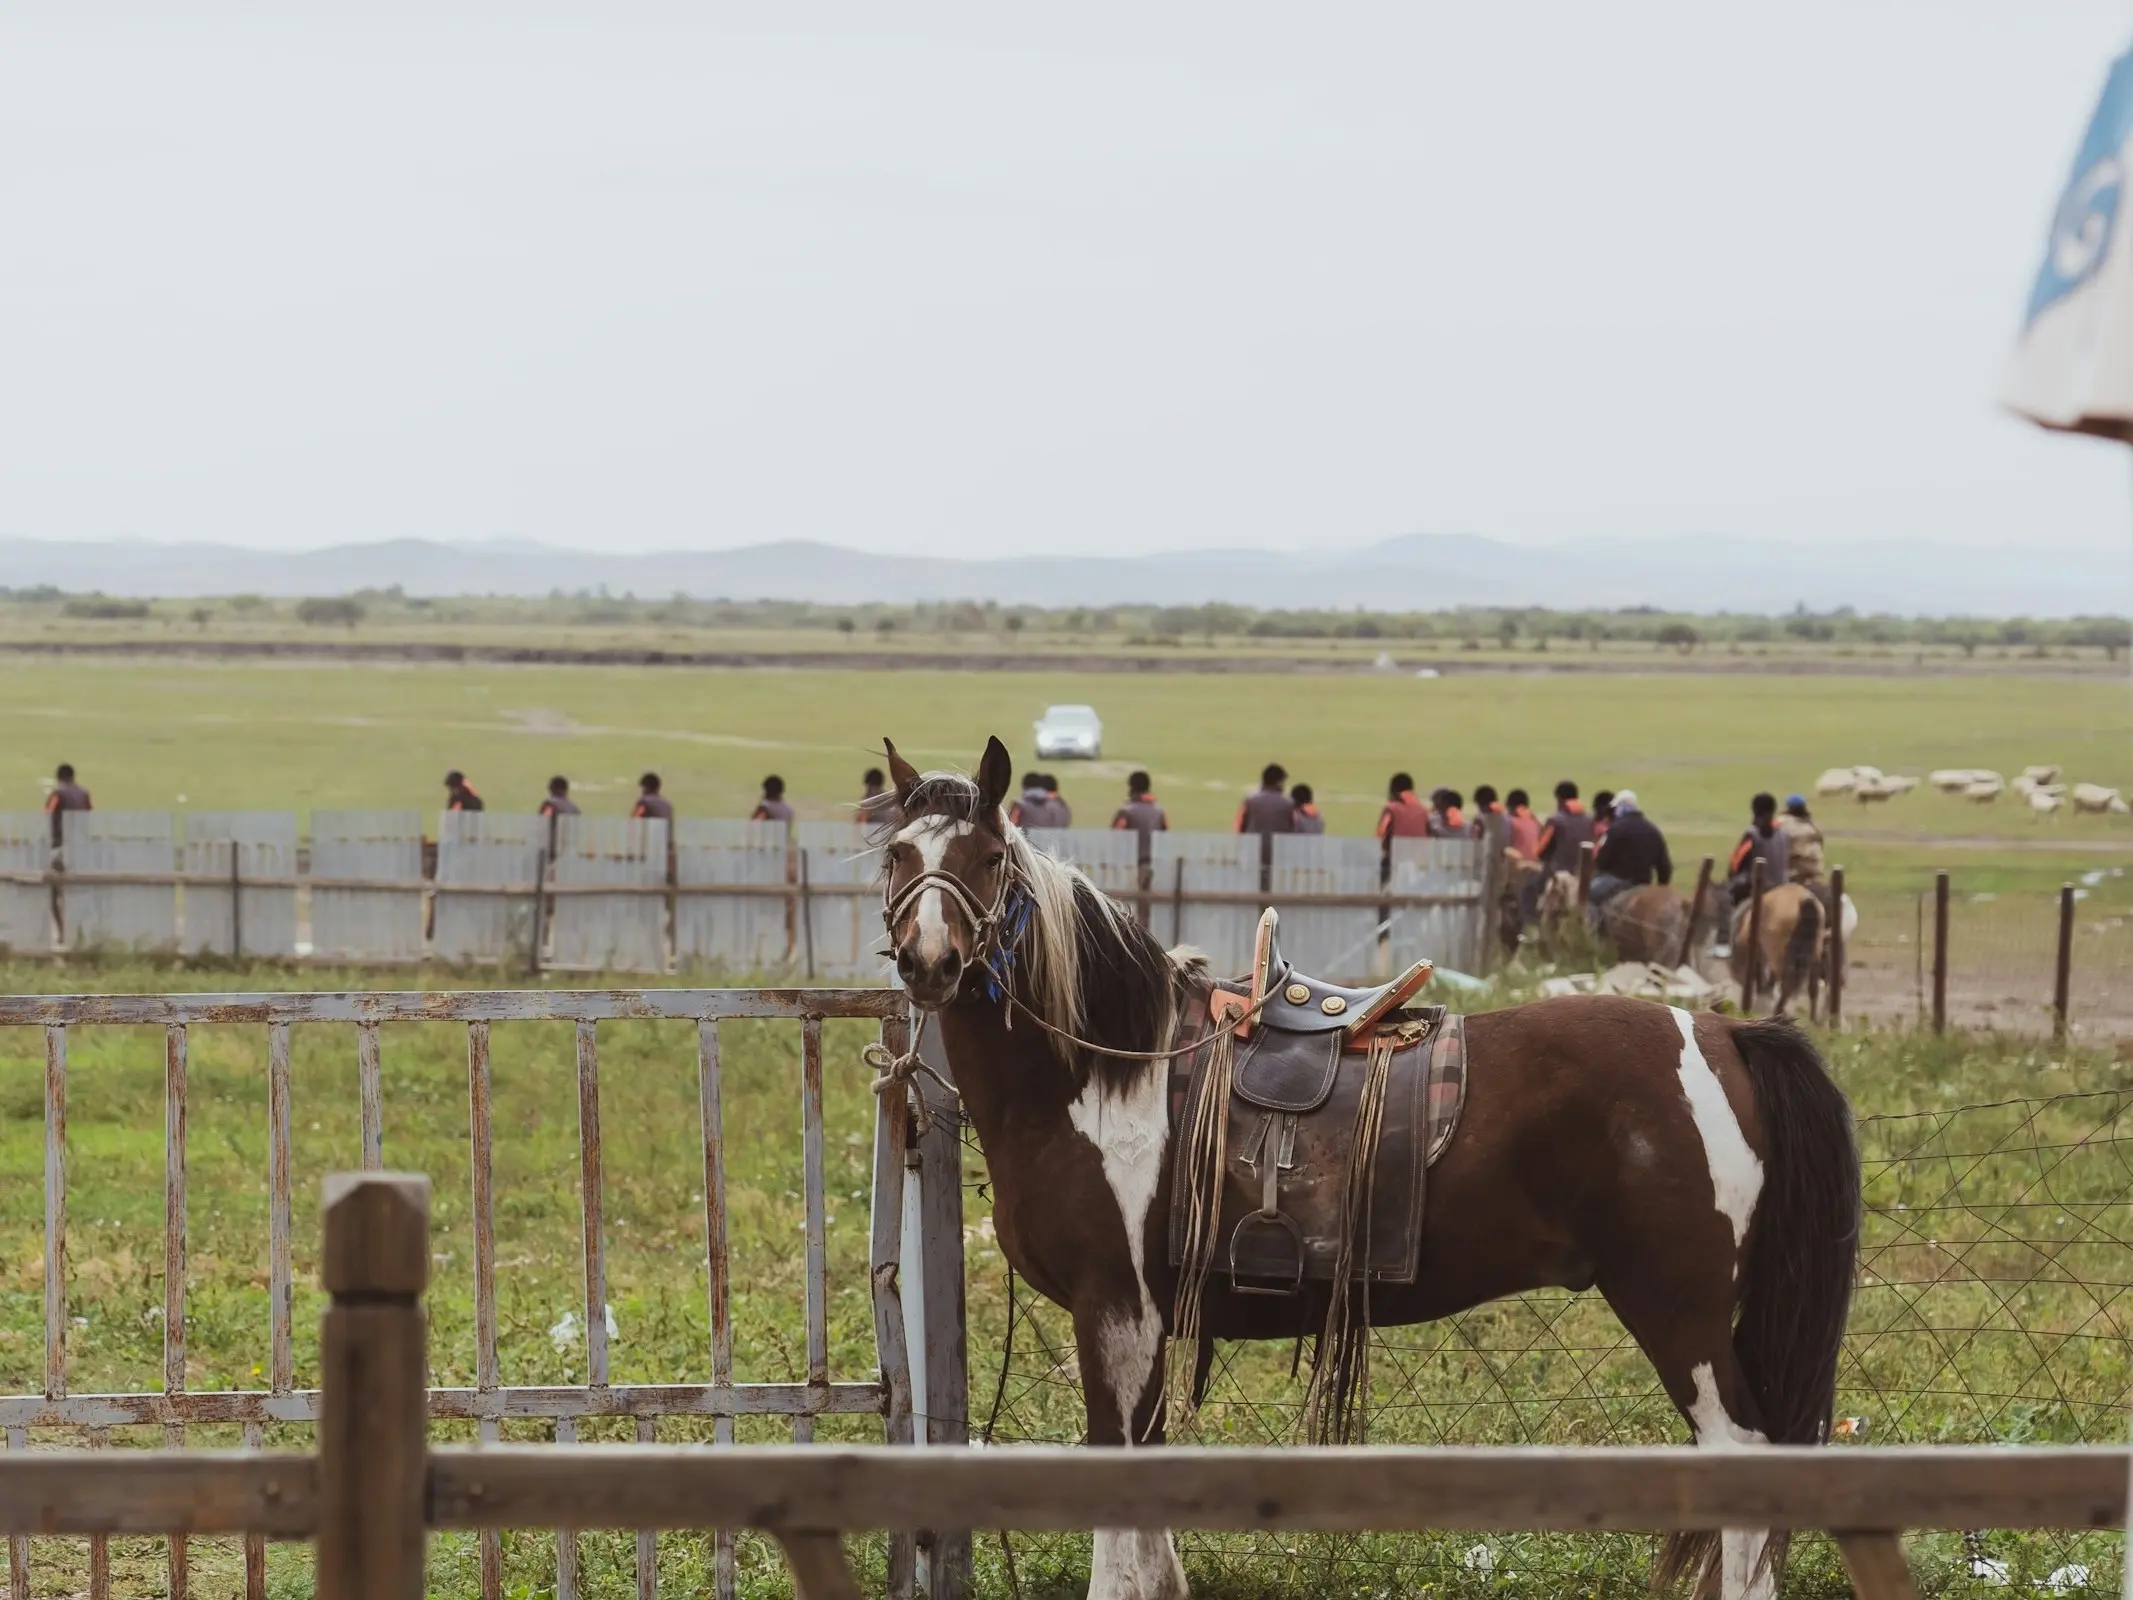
[1736,1170]
[931,836]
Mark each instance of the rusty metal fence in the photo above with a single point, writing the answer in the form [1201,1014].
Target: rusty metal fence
[915,1245]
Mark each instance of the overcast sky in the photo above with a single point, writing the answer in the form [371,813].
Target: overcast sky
[990,278]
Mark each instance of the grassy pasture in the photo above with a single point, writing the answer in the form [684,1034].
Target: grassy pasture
[163,734]
[2028,1343]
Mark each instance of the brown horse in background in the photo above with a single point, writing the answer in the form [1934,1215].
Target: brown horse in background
[1699,1170]
[1793,945]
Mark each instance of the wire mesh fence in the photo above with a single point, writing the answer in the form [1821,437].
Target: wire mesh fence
[1991,1309]
[2001,961]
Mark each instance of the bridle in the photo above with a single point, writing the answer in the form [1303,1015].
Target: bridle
[985,921]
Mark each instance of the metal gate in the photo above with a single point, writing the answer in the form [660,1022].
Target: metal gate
[915,1247]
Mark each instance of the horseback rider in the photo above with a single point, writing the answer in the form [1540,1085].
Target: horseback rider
[1564,834]
[1764,839]
[1803,841]
[1633,854]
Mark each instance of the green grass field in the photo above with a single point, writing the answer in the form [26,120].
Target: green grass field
[164,734]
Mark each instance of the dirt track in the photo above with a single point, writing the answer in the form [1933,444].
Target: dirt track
[359,650]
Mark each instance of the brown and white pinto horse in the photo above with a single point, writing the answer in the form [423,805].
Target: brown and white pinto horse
[1699,1171]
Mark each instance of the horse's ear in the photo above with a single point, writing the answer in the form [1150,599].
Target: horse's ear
[901,774]
[996,775]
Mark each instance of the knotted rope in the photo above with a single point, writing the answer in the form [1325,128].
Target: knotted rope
[1335,1402]
[894,1072]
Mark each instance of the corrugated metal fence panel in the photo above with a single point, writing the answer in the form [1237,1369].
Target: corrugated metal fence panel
[1447,935]
[367,924]
[121,916]
[265,846]
[846,928]
[743,933]
[611,932]
[486,847]
[1212,861]
[25,908]
[1335,942]
[1110,856]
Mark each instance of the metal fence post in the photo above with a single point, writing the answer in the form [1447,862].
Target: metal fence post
[1940,952]
[1836,947]
[372,1363]
[2063,974]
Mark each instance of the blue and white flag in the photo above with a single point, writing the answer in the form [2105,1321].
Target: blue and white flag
[2073,368]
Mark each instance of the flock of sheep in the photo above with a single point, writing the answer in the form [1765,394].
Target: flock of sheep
[2039,786]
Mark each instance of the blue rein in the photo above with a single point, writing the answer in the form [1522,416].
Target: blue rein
[1014,923]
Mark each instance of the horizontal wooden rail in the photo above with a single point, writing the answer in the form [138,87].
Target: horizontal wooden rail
[1372,1489]
[449,1005]
[159,1491]
[825,1489]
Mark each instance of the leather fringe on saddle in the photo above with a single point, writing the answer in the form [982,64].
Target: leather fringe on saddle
[1337,1401]
[1206,1141]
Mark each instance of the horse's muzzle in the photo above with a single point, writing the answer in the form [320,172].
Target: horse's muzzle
[931,982]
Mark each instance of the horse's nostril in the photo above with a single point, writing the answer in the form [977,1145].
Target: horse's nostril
[951,964]
[905,966]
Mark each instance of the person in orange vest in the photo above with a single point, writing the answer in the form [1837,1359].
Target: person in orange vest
[1486,805]
[1446,820]
[650,802]
[773,807]
[878,807]
[1308,819]
[1141,813]
[1267,809]
[1523,831]
[66,795]
[1404,816]
[460,795]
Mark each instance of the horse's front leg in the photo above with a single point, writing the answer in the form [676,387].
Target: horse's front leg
[1120,1347]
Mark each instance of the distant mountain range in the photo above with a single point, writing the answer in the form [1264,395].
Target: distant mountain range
[1420,571]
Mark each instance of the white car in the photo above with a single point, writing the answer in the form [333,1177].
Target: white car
[1068,733]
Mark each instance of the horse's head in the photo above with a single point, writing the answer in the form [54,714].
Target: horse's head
[946,872]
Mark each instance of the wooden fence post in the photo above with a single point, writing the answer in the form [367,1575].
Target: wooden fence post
[1836,947]
[1940,952]
[944,1352]
[1750,967]
[1492,874]
[2063,974]
[373,1370]
[1696,900]
[1586,852]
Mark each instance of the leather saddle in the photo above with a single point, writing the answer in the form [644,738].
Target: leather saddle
[1302,1070]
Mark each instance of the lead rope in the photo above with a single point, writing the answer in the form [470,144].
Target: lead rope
[894,1072]
[1203,1144]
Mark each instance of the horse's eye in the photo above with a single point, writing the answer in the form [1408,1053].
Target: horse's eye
[995,861]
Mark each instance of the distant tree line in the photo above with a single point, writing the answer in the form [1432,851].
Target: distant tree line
[1518,628]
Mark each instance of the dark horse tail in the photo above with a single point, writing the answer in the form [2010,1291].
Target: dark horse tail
[1802,1258]
[1803,948]
[1797,1289]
